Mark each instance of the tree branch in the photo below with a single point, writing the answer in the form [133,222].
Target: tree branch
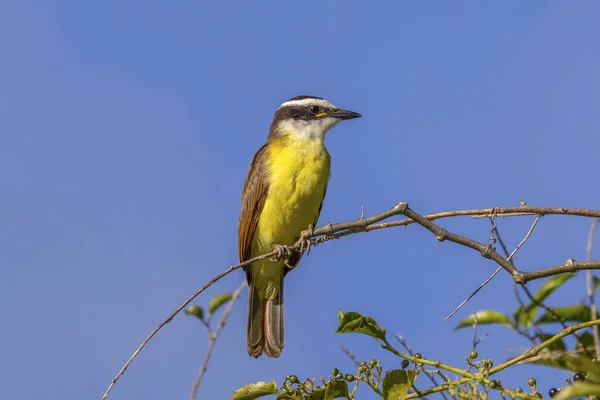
[334,231]
[522,357]
[534,351]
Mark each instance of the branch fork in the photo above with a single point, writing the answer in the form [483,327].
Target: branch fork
[338,230]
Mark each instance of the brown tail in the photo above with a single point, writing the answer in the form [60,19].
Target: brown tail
[264,330]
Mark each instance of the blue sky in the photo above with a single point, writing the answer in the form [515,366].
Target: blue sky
[126,130]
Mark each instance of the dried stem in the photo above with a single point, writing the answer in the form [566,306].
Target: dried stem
[350,355]
[212,338]
[509,259]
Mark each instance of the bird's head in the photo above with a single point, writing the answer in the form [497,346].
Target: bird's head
[307,117]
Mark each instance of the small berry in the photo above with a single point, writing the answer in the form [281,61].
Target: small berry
[531,381]
[405,363]
[293,379]
[339,376]
[418,355]
[473,355]
[335,371]
[349,377]
[493,384]
[578,377]
[373,363]
[519,390]
[552,392]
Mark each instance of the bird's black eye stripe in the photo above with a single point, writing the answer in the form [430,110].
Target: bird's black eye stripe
[314,109]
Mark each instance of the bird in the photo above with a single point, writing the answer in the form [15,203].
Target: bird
[282,196]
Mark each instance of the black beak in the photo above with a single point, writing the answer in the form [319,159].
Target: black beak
[344,114]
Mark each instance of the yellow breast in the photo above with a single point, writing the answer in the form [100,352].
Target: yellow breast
[298,171]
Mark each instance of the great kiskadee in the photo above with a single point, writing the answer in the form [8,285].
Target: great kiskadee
[282,196]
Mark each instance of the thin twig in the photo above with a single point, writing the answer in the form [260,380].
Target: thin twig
[465,301]
[350,355]
[525,238]
[517,326]
[334,231]
[400,339]
[516,288]
[212,338]
[481,212]
[590,285]
[534,351]
[509,259]
[555,315]
[177,310]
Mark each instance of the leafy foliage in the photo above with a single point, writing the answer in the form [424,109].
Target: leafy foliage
[355,322]
[576,313]
[399,384]
[254,391]
[485,317]
[218,301]
[577,390]
[526,315]
[196,311]
[396,384]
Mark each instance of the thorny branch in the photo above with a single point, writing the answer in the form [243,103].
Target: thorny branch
[338,230]
[212,338]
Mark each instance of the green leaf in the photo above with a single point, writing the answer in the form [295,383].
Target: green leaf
[255,390]
[336,389]
[196,311]
[218,301]
[355,322]
[586,340]
[526,315]
[551,285]
[596,282]
[485,317]
[396,384]
[568,361]
[576,313]
[578,389]
[290,396]
[318,394]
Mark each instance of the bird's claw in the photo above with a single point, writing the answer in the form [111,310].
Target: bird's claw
[305,242]
[283,253]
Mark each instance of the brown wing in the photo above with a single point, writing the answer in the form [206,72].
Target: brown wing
[254,194]
[296,257]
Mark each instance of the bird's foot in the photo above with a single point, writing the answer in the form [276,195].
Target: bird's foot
[305,242]
[283,253]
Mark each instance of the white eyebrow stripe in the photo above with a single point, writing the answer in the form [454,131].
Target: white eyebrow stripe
[307,102]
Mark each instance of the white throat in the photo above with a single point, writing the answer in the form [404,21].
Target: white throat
[312,129]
